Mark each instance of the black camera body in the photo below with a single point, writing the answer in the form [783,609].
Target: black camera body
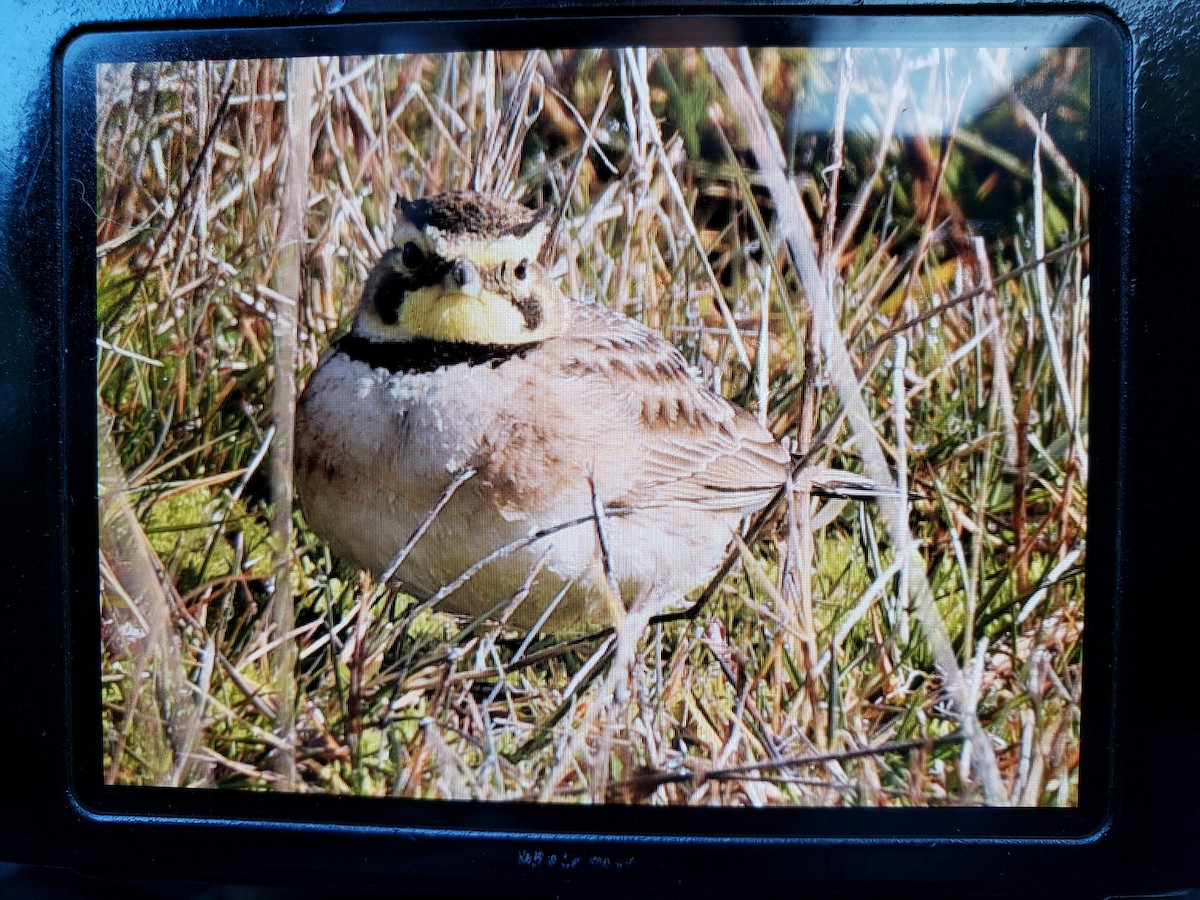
[82,789]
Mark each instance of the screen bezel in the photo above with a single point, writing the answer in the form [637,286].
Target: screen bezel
[1107,133]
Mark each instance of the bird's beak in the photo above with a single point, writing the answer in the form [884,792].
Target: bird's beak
[463,278]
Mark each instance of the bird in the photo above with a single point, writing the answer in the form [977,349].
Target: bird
[484,441]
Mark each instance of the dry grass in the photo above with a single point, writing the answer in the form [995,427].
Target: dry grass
[891,272]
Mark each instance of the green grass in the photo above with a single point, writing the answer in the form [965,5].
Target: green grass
[391,699]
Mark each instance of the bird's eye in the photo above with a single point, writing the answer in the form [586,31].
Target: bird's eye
[412,256]
[522,270]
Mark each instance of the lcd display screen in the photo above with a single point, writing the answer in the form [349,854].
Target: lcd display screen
[676,425]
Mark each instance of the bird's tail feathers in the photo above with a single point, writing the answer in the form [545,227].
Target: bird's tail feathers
[843,485]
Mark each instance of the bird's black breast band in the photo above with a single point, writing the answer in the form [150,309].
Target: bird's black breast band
[425,355]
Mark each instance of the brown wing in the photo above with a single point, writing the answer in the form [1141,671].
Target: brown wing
[684,444]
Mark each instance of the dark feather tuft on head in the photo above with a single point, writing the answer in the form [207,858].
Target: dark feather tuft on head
[462,212]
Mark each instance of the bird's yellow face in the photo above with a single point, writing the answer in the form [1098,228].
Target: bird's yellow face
[463,286]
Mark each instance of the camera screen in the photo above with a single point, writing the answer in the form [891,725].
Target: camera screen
[698,426]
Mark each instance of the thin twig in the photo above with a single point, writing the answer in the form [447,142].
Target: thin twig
[289,280]
[459,479]
[1043,297]
[549,247]
[836,147]
[858,205]
[1010,275]
[750,770]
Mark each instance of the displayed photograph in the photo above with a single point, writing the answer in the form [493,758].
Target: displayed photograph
[689,426]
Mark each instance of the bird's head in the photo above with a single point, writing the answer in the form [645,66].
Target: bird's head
[464,268]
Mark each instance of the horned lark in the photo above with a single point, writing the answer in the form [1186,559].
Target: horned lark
[497,430]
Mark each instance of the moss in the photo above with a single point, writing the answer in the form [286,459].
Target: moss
[179,527]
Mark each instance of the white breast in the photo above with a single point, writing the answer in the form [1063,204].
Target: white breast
[376,451]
